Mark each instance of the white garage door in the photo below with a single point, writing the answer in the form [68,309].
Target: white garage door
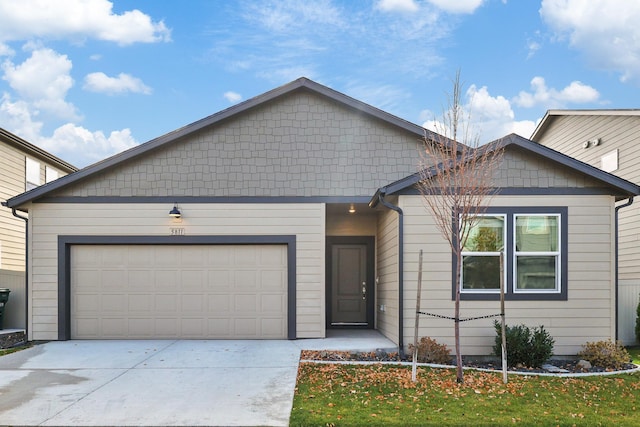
[189,291]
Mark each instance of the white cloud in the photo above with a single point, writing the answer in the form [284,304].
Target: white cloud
[5,50]
[100,82]
[43,80]
[457,6]
[26,19]
[17,118]
[483,116]
[232,97]
[397,5]
[80,146]
[73,143]
[576,93]
[606,31]
[291,15]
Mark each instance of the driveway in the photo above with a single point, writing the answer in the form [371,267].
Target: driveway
[149,383]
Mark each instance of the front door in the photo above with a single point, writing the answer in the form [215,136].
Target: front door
[350,288]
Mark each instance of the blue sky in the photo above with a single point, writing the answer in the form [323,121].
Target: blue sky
[85,79]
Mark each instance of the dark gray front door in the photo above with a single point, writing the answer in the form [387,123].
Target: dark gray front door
[350,290]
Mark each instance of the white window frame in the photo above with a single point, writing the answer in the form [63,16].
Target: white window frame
[557,254]
[479,254]
[32,179]
[50,174]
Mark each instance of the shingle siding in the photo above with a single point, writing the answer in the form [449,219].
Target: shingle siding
[302,146]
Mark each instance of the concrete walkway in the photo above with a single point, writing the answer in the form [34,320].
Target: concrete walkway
[184,382]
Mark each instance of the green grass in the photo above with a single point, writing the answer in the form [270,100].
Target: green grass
[5,351]
[375,394]
[635,354]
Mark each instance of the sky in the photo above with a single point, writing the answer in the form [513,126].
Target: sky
[86,79]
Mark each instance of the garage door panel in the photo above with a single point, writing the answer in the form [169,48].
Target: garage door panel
[138,292]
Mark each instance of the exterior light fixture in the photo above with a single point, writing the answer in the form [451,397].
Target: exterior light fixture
[175,212]
[352,209]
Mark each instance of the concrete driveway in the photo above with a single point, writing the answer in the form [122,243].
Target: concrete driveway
[149,383]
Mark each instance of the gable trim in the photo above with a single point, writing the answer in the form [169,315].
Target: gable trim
[299,84]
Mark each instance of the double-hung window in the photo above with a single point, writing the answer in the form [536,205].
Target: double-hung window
[534,244]
[481,254]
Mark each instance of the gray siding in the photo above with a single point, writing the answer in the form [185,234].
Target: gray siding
[567,133]
[300,145]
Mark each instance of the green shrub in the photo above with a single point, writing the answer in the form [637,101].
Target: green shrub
[430,351]
[527,347]
[605,354]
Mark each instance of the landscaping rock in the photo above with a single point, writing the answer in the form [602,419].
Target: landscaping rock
[584,365]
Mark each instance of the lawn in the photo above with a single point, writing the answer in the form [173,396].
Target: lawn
[377,394]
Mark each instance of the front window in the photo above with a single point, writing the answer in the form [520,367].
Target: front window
[533,242]
[537,253]
[481,254]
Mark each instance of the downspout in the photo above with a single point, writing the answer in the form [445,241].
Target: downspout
[617,250]
[26,270]
[400,271]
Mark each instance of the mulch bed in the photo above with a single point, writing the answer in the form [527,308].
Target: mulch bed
[383,356]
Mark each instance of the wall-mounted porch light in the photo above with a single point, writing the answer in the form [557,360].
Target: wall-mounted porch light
[352,209]
[175,212]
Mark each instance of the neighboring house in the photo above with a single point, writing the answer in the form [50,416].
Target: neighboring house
[23,166]
[606,139]
[255,223]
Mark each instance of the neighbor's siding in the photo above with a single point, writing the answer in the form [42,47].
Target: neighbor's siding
[387,274]
[616,132]
[50,220]
[12,183]
[588,315]
[12,232]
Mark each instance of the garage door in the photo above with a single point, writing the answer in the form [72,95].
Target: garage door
[173,291]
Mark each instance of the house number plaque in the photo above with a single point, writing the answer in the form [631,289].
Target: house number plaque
[177,231]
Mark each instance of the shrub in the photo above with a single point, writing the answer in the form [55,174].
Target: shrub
[605,354]
[527,347]
[430,351]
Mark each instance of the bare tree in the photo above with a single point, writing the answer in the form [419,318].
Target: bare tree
[457,184]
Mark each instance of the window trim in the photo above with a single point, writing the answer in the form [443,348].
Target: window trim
[510,214]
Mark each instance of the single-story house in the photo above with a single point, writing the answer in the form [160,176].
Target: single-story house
[294,212]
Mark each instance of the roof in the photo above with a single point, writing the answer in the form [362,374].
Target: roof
[619,185]
[550,115]
[30,149]
[301,84]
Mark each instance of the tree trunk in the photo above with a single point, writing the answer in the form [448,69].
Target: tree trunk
[456,315]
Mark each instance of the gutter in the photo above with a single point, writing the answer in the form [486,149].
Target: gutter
[400,269]
[26,268]
[617,250]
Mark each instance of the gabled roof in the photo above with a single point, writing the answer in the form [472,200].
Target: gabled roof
[301,84]
[30,149]
[619,185]
[550,116]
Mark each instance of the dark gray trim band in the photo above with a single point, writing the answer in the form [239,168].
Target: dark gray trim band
[208,199]
[529,191]
[64,265]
